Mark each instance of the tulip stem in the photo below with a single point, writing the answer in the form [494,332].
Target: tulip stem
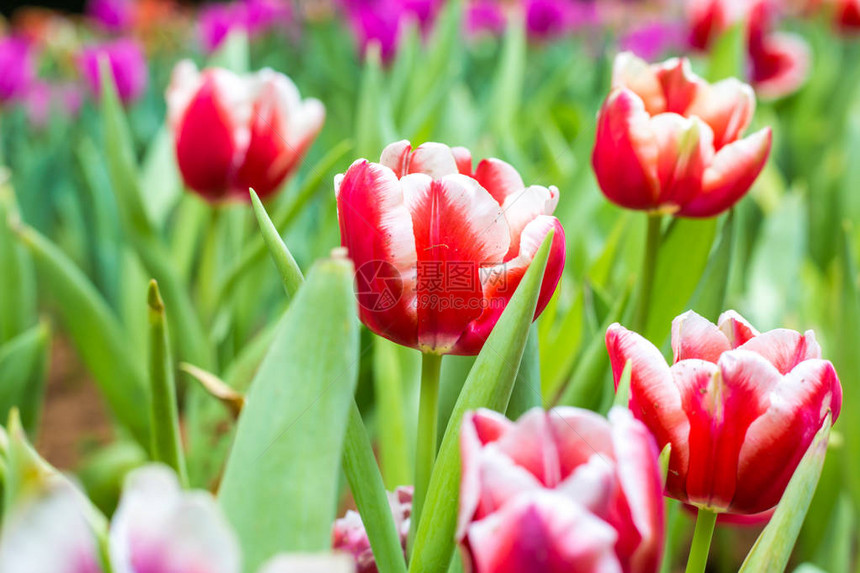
[646,279]
[701,545]
[425,450]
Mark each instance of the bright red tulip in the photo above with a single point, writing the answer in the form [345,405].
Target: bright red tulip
[559,491]
[236,132]
[439,248]
[739,408]
[708,19]
[668,141]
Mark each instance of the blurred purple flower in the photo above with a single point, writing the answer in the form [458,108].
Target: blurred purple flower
[653,40]
[45,98]
[548,19]
[128,65]
[383,20]
[485,17]
[545,19]
[256,17]
[17,67]
[112,15]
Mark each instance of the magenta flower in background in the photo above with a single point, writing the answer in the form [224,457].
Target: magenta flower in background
[127,63]
[654,40]
[485,17]
[349,535]
[44,98]
[256,17]
[17,67]
[112,15]
[545,19]
[383,21]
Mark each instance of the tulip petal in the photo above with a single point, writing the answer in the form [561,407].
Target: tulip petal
[694,336]
[778,439]
[501,281]
[781,65]
[641,482]
[626,152]
[49,534]
[734,169]
[157,527]
[541,531]
[632,72]
[727,106]
[593,485]
[523,207]
[459,228]
[530,444]
[477,430]
[266,159]
[435,159]
[499,178]
[463,157]
[686,148]
[579,436]
[501,479]
[395,156]
[206,124]
[785,348]
[680,85]
[736,328]
[376,229]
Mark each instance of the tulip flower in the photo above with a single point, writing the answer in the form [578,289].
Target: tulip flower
[256,17]
[669,142]
[157,528]
[350,536]
[440,248]
[127,64]
[17,67]
[112,15]
[544,19]
[559,491]
[738,407]
[382,21]
[848,15]
[234,132]
[708,19]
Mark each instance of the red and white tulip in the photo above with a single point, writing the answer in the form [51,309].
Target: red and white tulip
[739,408]
[668,141]
[558,491]
[440,247]
[235,132]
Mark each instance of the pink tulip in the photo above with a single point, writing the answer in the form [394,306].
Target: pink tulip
[708,19]
[17,67]
[780,65]
[559,491]
[439,247]
[667,141]
[350,536]
[126,62]
[235,132]
[738,407]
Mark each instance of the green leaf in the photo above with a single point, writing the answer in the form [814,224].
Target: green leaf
[17,283]
[510,74]
[165,441]
[527,387]
[728,55]
[98,336]
[365,481]
[489,385]
[281,481]
[395,447]
[773,548]
[23,364]
[588,383]
[681,261]
[709,300]
[373,128]
[233,53]
[622,393]
[291,274]
[160,177]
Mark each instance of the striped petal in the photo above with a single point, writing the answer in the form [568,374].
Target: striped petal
[694,336]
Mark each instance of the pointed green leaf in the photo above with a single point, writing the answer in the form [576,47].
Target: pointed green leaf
[165,442]
[98,336]
[291,274]
[489,385]
[773,548]
[23,362]
[280,485]
[527,387]
[622,393]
